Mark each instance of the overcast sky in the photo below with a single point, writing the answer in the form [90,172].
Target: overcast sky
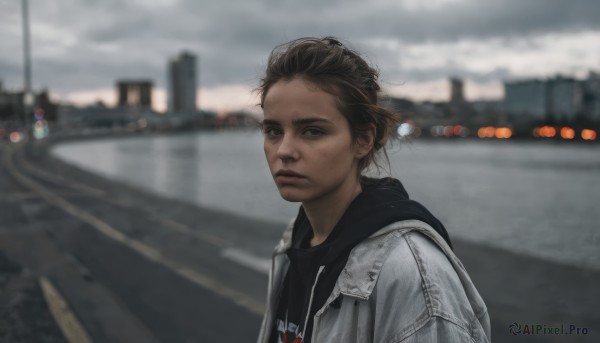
[81,47]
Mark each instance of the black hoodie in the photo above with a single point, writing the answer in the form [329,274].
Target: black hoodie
[381,202]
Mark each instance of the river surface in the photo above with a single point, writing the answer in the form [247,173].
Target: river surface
[537,198]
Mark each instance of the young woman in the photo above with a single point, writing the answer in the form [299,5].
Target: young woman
[360,262]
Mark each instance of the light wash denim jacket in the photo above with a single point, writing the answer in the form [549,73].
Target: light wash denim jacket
[402,284]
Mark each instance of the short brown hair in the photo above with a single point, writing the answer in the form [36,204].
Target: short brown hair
[340,71]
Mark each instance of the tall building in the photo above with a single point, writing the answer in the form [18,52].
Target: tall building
[182,83]
[457,95]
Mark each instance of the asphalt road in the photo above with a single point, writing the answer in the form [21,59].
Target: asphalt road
[135,267]
[164,281]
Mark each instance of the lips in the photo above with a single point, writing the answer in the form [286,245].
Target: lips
[288,177]
[289,173]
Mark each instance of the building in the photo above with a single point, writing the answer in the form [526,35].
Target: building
[458,108]
[591,97]
[403,105]
[457,95]
[11,106]
[182,83]
[12,109]
[526,99]
[565,99]
[95,115]
[555,100]
[134,94]
[486,107]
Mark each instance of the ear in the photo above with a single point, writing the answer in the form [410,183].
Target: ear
[365,142]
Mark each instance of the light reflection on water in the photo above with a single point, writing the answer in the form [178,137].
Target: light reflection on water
[536,197]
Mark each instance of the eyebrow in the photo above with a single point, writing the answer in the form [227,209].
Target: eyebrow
[298,122]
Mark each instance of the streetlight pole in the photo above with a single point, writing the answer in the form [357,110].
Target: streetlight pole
[27,94]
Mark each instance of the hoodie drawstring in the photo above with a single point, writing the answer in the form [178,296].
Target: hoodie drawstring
[312,293]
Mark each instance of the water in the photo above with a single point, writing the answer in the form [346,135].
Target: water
[537,198]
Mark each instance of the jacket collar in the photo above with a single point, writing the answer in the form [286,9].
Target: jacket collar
[286,240]
[360,275]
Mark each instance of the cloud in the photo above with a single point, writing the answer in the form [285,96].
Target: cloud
[84,45]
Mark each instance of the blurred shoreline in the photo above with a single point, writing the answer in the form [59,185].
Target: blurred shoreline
[529,197]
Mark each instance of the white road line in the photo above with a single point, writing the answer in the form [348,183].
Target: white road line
[246,259]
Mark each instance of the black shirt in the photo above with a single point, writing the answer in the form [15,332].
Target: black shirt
[295,296]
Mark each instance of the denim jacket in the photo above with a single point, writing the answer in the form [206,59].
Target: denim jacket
[402,284]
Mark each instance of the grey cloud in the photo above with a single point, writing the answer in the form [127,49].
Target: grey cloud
[234,38]
[479,19]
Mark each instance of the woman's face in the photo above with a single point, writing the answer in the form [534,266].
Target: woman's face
[307,142]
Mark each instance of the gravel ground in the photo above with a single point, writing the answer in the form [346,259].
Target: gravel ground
[24,315]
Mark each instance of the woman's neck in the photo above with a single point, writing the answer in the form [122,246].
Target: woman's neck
[325,212]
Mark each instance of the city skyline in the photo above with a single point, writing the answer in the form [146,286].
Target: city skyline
[78,52]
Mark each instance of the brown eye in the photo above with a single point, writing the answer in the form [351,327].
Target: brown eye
[271,131]
[312,132]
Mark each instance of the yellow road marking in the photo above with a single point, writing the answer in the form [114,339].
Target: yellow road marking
[169,223]
[65,318]
[152,254]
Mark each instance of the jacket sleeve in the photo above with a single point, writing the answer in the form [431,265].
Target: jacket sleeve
[419,297]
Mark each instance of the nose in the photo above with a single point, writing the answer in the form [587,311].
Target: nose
[287,149]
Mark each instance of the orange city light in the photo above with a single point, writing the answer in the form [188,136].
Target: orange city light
[588,135]
[486,132]
[567,133]
[503,132]
[547,131]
